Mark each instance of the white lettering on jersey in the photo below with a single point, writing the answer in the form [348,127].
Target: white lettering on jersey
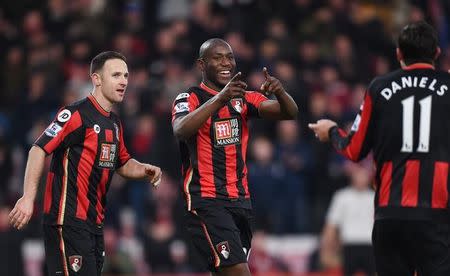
[413,82]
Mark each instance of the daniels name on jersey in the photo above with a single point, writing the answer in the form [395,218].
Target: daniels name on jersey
[414,82]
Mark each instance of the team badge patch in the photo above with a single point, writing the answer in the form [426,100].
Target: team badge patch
[75,262]
[64,116]
[227,132]
[237,104]
[224,249]
[107,155]
[53,129]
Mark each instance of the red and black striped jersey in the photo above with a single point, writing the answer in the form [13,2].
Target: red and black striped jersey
[87,146]
[405,121]
[214,159]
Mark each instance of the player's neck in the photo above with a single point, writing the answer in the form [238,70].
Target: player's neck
[212,85]
[102,100]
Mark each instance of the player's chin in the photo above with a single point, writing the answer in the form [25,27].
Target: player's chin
[223,80]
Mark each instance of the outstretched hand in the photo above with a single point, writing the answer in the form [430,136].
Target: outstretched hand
[322,129]
[235,88]
[271,84]
[154,174]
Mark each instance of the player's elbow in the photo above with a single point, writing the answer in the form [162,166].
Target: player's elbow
[179,132]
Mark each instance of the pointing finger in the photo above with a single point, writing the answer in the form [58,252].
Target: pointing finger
[235,77]
[266,73]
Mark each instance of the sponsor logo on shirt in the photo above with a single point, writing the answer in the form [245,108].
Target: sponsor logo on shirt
[227,132]
[108,154]
[53,129]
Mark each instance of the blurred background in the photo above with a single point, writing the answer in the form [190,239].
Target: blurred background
[307,199]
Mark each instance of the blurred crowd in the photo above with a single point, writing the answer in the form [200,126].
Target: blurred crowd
[325,52]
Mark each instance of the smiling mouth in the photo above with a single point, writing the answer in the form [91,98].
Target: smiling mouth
[225,73]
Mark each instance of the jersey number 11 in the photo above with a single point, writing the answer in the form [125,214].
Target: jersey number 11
[424,127]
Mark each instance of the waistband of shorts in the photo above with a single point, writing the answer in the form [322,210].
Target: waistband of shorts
[412,213]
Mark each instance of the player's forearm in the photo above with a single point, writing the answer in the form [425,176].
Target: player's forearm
[187,126]
[133,169]
[288,107]
[33,172]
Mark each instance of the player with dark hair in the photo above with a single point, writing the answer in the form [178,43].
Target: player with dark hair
[86,140]
[210,122]
[404,120]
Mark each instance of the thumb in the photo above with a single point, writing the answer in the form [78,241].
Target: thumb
[312,126]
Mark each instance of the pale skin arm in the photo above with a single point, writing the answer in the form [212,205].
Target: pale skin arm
[329,248]
[322,129]
[22,211]
[134,169]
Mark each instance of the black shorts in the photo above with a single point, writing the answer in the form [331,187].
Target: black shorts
[73,251]
[222,235]
[358,258]
[403,246]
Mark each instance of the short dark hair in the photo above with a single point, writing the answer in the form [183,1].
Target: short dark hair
[208,44]
[99,60]
[418,42]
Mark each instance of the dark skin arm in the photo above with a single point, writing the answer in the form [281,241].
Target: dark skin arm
[284,108]
[186,126]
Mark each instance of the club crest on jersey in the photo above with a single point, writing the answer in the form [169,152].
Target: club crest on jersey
[75,262]
[107,155]
[237,104]
[227,132]
[224,249]
[53,129]
[64,116]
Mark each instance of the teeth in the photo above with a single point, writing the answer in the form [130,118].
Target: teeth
[224,72]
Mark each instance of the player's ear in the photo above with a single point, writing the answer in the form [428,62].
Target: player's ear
[201,65]
[399,54]
[438,53]
[96,80]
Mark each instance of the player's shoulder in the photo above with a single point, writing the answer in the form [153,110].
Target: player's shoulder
[184,95]
[67,112]
[380,82]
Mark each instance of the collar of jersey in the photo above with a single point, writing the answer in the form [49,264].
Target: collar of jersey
[208,89]
[98,106]
[418,66]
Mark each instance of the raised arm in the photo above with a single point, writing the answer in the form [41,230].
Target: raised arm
[187,123]
[284,108]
